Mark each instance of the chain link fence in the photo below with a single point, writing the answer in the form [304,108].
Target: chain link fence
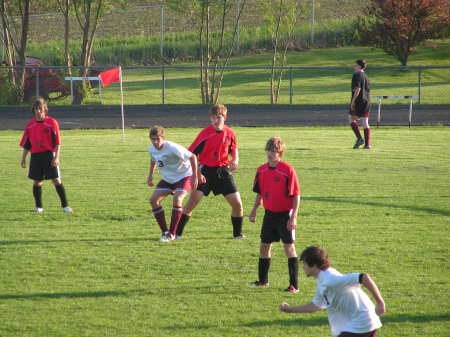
[241,85]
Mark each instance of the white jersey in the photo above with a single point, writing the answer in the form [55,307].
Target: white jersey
[349,307]
[172,161]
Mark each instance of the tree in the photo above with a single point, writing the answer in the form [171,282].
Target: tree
[212,19]
[398,26]
[16,47]
[64,8]
[280,19]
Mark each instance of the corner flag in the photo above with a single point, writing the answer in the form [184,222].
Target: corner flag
[110,76]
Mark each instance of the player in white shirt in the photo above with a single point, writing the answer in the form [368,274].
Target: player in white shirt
[177,165]
[350,311]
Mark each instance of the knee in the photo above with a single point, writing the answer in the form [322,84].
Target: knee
[37,183]
[290,250]
[154,202]
[56,182]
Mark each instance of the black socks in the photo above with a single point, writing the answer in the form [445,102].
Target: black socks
[293,271]
[183,221]
[37,193]
[62,195]
[263,270]
[237,225]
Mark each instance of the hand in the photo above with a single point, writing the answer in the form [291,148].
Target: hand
[380,308]
[352,106]
[252,216]
[292,223]
[194,182]
[55,162]
[284,306]
[23,163]
[201,178]
[150,181]
[233,165]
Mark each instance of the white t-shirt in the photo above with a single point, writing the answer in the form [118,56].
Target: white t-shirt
[172,161]
[349,307]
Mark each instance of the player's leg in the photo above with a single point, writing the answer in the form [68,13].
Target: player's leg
[177,211]
[353,120]
[366,126]
[291,254]
[237,213]
[60,190]
[37,194]
[265,256]
[157,210]
[194,199]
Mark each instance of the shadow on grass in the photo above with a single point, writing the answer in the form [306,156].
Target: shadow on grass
[32,242]
[378,204]
[319,321]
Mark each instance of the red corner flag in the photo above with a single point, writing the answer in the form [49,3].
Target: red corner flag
[109,76]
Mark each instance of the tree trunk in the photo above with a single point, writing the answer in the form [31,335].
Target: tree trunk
[273,96]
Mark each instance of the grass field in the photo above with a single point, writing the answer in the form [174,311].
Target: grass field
[102,272]
[143,86]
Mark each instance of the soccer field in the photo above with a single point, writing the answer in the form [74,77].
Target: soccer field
[102,272]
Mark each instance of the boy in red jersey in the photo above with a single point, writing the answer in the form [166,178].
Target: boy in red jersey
[213,146]
[41,138]
[277,186]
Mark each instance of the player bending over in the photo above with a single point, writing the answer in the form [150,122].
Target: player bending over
[178,167]
[277,186]
[41,137]
[350,311]
[360,105]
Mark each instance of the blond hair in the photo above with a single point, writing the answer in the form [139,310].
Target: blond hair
[275,144]
[39,104]
[218,110]
[158,131]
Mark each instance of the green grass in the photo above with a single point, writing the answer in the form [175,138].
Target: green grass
[101,271]
[143,86]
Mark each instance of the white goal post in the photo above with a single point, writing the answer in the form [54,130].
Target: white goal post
[380,98]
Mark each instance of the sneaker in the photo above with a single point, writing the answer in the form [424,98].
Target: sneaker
[367,147]
[291,289]
[39,210]
[166,237]
[358,143]
[68,209]
[240,236]
[257,284]
[177,237]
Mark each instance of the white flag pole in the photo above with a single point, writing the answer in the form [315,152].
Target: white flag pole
[121,102]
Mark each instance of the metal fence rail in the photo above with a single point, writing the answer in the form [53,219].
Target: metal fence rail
[176,84]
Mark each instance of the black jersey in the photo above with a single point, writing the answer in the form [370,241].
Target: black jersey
[360,80]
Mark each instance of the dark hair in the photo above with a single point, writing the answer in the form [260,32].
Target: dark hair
[39,104]
[315,256]
[361,63]
[275,144]
[157,131]
[218,110]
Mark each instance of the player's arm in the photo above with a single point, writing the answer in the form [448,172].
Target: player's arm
[194,165]
[234,160]
[151,172]
[55,160]
[292,223]
[23,162]
[356,84]
[252,216]
[302,309]
[372,287]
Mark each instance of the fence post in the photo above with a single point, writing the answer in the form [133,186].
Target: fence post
[37,81]
[163,84]
[420,84]
[290,86]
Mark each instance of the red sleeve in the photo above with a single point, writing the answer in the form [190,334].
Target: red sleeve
[293,185]
[24,139]
[57,135]
[197,141]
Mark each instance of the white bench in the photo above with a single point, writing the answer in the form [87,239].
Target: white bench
[380,98]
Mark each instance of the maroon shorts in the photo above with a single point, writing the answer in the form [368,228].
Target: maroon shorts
[352,334]
[180,186]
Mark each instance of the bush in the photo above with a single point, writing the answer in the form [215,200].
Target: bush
[9,94]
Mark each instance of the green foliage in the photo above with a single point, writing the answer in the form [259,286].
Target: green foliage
[102,272]
[9,94]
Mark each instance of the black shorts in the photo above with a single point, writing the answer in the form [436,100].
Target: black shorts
[274,228]
[362,108]
[219,180]
[41,166]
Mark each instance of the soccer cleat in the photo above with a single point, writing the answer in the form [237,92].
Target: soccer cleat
[257,284]
[367,147]
[177,237]
[358,143]
[166,237]
[39,210]
[291,289]
[68,209]
[240,236]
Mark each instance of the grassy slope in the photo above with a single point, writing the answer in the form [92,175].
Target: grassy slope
[309,87]
[101,272]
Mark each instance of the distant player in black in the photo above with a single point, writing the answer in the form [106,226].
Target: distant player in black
[360,105]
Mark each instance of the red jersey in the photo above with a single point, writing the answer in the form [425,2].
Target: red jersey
[41,136]
[277,185]
[213,147]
